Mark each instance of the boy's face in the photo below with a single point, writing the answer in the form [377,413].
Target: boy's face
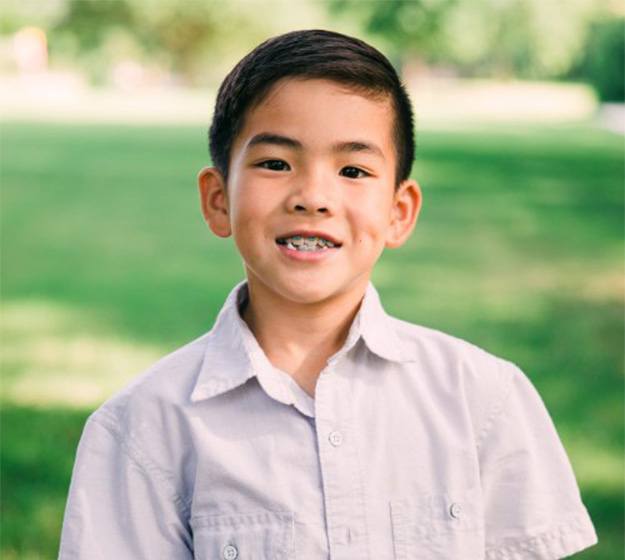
[312,156]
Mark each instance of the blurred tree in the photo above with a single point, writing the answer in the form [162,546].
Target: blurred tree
[21,13]
[407,28]
[180,32]
[525,38]
[603,59]
[197,41]
[89,20]
[202,39]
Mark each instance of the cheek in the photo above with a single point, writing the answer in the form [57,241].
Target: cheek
[241,216]
[250,214]
[240,207]
[370,220]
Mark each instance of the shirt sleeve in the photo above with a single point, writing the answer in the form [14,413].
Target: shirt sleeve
[533,506]
[120,505]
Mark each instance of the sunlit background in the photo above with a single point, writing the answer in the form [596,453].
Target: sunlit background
[107,264]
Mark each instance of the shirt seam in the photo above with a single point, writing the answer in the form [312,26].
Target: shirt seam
[140,459]
[549,544]
[496,409]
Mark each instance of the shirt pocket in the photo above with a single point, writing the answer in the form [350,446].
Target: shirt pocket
[244,536]
[442,526]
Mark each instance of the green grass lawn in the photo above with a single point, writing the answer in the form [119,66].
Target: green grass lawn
[107,265]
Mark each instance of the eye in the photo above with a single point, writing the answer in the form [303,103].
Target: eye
[352,172]
[274,165]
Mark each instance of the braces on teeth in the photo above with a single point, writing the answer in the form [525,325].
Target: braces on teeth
[300,243]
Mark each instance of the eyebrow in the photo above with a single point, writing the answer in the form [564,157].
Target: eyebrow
[339,147]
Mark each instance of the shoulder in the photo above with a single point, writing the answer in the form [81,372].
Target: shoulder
[481,379]
[420,343]
[142,431]
[155,395]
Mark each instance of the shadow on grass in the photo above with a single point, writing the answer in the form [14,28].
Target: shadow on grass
[38,450]
[606,511]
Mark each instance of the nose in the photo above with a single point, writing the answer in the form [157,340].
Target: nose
[304,209]
[311,195]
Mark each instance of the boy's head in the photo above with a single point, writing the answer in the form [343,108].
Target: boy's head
[312,147]
[310,54]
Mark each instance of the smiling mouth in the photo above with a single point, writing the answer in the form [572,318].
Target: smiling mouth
[307,244]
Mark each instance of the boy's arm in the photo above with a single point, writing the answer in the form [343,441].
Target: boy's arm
[533,506]
[120,505]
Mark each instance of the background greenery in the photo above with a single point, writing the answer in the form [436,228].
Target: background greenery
[193,39]
[107,265]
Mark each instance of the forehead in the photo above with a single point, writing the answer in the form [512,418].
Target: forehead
[320,112]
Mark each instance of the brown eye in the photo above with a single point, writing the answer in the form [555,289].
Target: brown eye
[274,165]
[352,172]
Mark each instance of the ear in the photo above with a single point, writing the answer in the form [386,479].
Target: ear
[214,201]
[404,213]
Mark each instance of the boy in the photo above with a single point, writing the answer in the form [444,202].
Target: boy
[308,423]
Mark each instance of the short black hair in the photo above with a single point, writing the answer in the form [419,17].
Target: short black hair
[312,54]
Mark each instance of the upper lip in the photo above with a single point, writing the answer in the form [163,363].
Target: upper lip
[310,233]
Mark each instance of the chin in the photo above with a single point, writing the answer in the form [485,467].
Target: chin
[310,294]
[299,286]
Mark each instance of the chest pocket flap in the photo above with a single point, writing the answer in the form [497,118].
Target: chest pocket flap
[438,526]
[255,535]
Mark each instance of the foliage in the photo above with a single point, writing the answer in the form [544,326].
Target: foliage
[524,38]
[603,60]
[198,40]
[20,13]
[193,40]
[166,34]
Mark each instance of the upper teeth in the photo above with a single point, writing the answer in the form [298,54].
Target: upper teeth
[307,243]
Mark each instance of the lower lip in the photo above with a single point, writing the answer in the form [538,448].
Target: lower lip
[307,256]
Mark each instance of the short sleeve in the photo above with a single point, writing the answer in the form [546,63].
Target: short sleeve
[533,507]
[118,505]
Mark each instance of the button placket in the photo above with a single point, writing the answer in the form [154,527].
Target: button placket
[342,487]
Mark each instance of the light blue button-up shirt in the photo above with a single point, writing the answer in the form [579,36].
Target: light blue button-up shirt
[416,445]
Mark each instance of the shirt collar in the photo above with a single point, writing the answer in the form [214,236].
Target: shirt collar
[233,355]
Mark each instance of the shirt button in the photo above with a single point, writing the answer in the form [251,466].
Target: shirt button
[336,438]
[230,552]
[455,510]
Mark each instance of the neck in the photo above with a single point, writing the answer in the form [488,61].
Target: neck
[298,338]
